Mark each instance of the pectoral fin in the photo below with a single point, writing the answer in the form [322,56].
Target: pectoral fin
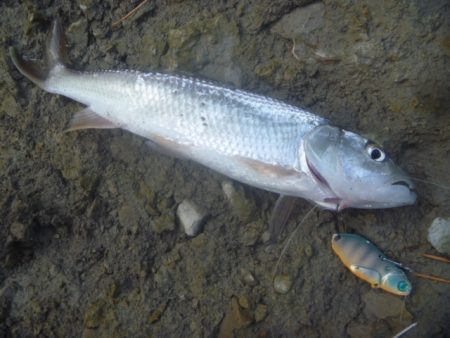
[87,119]
[280,215]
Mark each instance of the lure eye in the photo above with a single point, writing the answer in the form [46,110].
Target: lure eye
[402,286]
[375,153]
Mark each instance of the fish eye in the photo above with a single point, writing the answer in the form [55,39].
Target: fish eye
[402,286]
[375,153]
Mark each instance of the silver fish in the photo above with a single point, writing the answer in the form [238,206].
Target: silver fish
[367,262]
[251,138]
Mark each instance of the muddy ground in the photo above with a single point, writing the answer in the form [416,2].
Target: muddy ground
[90,243]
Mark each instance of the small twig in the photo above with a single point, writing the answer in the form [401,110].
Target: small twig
[437,258]
[116,23]
[293,51]
[433,278]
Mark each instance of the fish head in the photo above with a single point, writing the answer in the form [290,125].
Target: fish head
[358,172]
[396,282]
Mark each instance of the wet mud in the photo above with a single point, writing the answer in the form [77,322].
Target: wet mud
[91,244]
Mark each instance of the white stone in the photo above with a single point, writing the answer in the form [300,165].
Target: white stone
[439,234]
[228,190]
[282,284]
[191,216]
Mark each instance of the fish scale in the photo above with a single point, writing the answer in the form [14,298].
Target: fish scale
[195,112]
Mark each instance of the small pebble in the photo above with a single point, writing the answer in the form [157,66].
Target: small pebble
[265,237]
[260,312]
[439,234]
[308,250]
[243,206]
[250,233]
[18,231]
[282,284]
[244,302]
[192,217]
[248,278]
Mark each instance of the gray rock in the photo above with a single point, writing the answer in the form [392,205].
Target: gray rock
[439,234]
[250,233]
[192,217]
[359,331]
[128,217]
[78,34]
[243,206]
[383,305]
[165,222]
[260,312]
[301,21]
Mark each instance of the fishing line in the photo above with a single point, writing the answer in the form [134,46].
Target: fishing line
[289,241]
[402,332]
[403,308]
[442,186]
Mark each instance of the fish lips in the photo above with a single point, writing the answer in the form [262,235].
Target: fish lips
[409,186]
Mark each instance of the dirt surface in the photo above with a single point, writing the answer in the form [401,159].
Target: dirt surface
[91,245]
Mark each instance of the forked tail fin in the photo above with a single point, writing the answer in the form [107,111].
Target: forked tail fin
[54,60]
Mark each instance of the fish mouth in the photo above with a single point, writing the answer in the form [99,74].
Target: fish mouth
[316,174]
[405,184]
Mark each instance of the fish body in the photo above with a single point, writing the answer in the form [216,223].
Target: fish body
[252,138]
[367,262]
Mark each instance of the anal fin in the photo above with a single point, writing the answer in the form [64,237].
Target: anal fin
[280,215]
[88,119]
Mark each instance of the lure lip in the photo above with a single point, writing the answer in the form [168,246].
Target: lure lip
[336,237]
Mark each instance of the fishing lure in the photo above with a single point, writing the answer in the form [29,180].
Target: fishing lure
[367,262]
